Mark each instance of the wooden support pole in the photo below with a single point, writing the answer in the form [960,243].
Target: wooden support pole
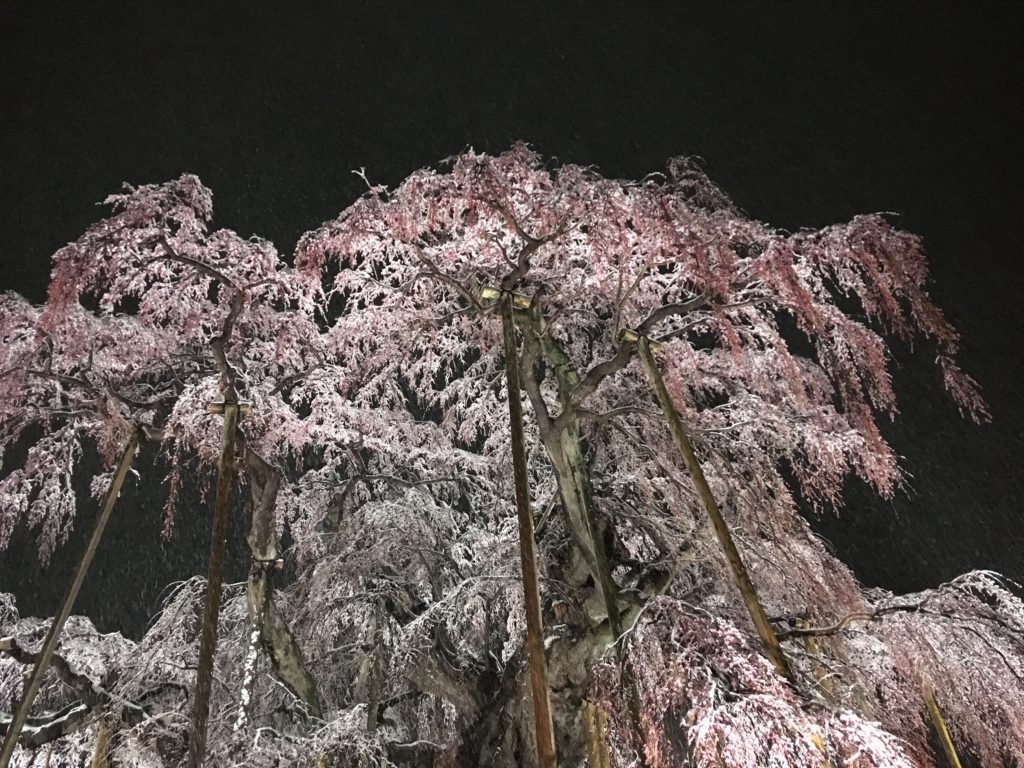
[211,612]
[722,532]
[53,636]
[101,750]
[545,732]
[940,726]
[595,723]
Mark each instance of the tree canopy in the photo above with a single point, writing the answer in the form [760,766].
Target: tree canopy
[376,433]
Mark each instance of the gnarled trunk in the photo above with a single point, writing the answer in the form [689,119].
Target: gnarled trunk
[275,636]
[564,446]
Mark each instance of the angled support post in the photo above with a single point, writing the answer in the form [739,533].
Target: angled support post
[725,541]
[53,636]
[940,725]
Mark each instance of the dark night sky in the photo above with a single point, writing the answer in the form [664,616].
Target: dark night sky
[806,114]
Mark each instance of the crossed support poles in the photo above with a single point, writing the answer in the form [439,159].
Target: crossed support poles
[268,626]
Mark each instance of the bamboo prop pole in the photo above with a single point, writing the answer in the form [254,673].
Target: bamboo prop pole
[546,755]
[211,612]
[722,532]
[101,751]
[595,723]
[940,725]
[53,636]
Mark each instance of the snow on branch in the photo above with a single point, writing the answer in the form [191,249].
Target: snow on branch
[374,371]
[709,699]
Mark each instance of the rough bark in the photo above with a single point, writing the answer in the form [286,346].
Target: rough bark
[368,681]
[275,636]
[565,450]
[495,735]
[287,661]
[563,442]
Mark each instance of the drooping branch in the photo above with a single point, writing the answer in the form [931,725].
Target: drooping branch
[37,731]
[436,273]
[678,309]
[848,619]
[92,696]
[172,255]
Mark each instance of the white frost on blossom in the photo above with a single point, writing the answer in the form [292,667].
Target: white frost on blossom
[375,379]
[709,699]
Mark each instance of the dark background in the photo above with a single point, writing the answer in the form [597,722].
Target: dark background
[806,113]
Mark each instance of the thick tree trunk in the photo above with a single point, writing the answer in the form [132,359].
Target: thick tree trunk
[564,445]
[565,450]
[368,681]
[274,634]
[53,636]
[722,532]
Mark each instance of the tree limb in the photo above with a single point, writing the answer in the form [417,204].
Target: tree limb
[92,696]
[206,269]
[848,619]
[666,311]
